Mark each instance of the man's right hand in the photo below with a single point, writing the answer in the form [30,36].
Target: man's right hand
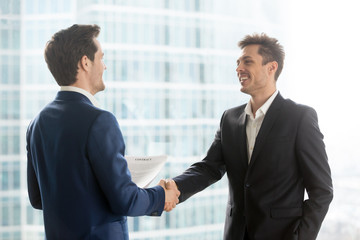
[171,194]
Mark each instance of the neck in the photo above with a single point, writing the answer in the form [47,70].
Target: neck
[82,83]
[257,100]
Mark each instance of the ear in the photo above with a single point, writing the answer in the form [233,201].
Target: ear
[84,63]
[273,66]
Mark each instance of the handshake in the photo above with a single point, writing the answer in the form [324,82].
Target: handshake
[171,193]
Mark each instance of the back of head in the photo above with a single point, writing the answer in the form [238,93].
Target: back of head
[65,49]
[270,49]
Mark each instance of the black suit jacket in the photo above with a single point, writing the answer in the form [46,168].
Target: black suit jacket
[267,195]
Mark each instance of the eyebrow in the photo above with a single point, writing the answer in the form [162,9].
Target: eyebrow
[243,58]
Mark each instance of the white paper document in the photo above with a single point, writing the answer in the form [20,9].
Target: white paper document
[144,169]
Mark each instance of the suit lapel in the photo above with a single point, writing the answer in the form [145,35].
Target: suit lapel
[266,126]
[243,139]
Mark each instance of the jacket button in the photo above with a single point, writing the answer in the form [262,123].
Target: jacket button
[247,185]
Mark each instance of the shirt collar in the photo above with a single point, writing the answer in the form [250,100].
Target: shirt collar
[83,92]
[264,107]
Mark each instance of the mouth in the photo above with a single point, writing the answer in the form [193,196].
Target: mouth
[243,78]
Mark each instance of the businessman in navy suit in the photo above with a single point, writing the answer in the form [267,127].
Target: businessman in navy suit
[77,173]
[272,151]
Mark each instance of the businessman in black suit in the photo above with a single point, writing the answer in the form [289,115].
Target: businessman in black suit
[272,151]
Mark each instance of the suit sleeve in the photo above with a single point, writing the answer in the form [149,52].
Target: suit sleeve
[313,162]
[33,185]
[106,154]
[204,173]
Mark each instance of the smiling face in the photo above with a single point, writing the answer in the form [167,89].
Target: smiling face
[255,78]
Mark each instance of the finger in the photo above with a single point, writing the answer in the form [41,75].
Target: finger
[168,205]
[168,208]
[168,184]
[162,182]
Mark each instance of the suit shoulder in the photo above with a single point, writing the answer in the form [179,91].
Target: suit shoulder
[95,111]
[106,114]
[235,110]
[78,111]
[298,107]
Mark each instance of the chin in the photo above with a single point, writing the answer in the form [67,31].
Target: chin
[102,87]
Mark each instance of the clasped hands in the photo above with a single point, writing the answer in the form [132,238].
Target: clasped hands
[171,193]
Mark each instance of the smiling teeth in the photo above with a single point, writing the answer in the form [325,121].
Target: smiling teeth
[243,78]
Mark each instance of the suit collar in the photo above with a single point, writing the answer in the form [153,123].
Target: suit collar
[269,120]
[82,91]
[72,96]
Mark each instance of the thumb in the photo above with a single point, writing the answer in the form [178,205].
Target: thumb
[162,183]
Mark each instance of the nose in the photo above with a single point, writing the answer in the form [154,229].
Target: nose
[239,68]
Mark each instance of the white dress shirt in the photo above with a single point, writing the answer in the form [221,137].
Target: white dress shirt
[254,123]
[83,92]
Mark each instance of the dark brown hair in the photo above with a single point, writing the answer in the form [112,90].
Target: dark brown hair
[65,49]
[270,49]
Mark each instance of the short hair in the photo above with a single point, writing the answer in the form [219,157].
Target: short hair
[270,49]
[66,48]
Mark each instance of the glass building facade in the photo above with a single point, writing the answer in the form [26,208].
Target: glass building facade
[170,75]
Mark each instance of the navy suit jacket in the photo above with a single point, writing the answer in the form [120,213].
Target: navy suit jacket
[267,195]
[77,173]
